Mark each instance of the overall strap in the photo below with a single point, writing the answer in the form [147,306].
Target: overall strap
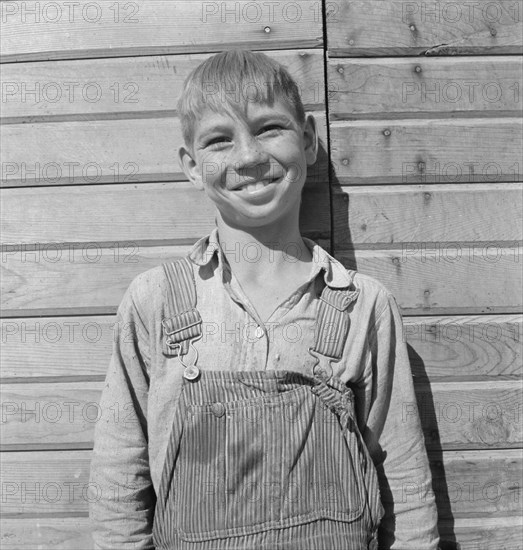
[183,323]
[333,325]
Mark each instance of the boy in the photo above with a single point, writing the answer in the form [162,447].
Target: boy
[248,383]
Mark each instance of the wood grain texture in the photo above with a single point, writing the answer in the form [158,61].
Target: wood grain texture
[429,215]
[439,281]
[154,27]
[130,85]
[70,349]
[427,151]
[86,279]
[74,533]
[53,416]
[448,27]
[175,213]
[475,483]
[480,347]
[57,349]
[407,87]
[472,415]
[56,483]
[69,533]
[481,533]
[105,151]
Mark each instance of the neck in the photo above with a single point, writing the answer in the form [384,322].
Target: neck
[263,250]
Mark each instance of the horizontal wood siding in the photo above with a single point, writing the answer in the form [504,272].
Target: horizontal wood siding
[417,184]
[449,27]
[424,103]
[93,195]
[153,27]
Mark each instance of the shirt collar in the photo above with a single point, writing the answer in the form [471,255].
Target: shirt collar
[335,275]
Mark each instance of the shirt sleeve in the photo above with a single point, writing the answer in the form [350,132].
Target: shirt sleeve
[395,441]
[122,498]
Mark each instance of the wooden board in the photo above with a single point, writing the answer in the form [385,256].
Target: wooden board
[86,279]
[439,281]
[481,533]
[69,533]
[154,27]
[478,347]
[427,151]
[131,85]
[407,87]
[41,483]
[428,215]
[70,349]
[465,483]
[470,483]
[104,151]
[447,27]
[59,349]
[471,415]
[483,280]
[175,213]
[52,416]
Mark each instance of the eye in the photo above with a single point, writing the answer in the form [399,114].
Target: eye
[218,140]
[271,128]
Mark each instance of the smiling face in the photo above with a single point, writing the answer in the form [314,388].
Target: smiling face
[252,165]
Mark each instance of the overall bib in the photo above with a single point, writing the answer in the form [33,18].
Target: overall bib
[268,460]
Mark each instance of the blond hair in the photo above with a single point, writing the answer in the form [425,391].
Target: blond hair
[229,81]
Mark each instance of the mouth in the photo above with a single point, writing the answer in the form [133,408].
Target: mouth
[254,187]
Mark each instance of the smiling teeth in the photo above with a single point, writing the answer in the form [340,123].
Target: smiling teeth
[253,187]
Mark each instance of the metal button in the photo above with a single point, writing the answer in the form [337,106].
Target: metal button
[218,409]
[258,332]
[191,373]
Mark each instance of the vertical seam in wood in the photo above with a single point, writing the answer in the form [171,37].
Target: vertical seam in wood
[327,122]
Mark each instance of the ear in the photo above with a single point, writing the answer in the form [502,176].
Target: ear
[310,136]
[190,167]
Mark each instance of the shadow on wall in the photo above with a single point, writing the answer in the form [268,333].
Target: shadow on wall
[428,416]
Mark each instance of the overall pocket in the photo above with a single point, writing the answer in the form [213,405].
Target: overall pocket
[275,461]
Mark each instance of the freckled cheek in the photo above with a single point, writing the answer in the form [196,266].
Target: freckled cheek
[214,172]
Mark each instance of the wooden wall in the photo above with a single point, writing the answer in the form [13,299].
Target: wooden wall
[416,184]
[425,139]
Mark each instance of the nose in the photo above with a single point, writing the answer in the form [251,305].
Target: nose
[248,153]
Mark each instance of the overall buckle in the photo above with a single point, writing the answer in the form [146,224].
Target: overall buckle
[322,367]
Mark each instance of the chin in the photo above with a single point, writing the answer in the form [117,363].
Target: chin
[252,219]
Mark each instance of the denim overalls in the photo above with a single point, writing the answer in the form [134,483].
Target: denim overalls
[268,460]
